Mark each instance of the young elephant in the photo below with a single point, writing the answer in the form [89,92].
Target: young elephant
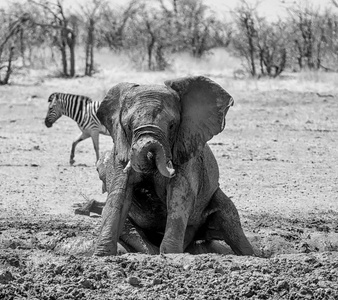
[133,238]
[162,174]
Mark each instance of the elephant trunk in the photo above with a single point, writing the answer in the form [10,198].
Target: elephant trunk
[114,214]
[148,154]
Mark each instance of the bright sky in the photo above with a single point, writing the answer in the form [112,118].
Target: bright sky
[269,8]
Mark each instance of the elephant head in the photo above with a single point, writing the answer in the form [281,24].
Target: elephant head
[156,129]
[160,127]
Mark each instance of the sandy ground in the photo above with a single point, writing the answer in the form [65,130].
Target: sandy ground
[278,160]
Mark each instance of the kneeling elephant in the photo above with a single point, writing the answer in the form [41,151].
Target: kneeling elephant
[161,177]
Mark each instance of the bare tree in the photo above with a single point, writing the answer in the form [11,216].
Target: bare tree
[156,31]
[245,40]
[335,3]
[8,39]
[113,22]
[272,47]
[329,41]
[194,27]
[91,13]
[65,29]
[149,34]
[308,35]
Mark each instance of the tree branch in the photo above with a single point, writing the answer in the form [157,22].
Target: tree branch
[47,8]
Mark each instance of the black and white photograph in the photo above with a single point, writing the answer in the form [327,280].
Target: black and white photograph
[168,149]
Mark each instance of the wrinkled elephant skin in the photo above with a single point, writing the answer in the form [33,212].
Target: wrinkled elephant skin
[162,178]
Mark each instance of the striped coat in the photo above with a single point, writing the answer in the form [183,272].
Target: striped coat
[83,111]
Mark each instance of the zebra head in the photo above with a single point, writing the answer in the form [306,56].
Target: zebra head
[54,110]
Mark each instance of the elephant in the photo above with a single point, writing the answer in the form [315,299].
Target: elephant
[132,238]
[161,177]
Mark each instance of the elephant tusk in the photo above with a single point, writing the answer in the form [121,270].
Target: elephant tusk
[127,168]
[104,189]
[170,169]
[150,155]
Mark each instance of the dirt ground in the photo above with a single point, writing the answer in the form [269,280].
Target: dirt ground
[278,161]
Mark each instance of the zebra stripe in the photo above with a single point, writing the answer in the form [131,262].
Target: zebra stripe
[83,111]
[80,108]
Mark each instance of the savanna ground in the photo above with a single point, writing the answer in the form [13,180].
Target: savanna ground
[278,161]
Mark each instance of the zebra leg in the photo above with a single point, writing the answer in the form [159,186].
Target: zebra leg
[95,138]
[80,138]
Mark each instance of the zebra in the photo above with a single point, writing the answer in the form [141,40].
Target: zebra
[83,111]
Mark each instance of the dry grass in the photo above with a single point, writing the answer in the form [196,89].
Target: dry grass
[218,64]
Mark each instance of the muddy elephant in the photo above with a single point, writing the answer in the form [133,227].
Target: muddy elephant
[162,178]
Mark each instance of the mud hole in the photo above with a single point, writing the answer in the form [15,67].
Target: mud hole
[50,258]
[277,159]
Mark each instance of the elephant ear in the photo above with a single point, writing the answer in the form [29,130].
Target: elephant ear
[204,105]
[109,113]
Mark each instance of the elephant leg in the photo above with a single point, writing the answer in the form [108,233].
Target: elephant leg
[83,136]
[88,207]
[179,205]
[224,224]
[134,240]
[189,238]
[132,237]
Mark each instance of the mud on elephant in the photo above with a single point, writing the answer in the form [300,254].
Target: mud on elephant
[162,178]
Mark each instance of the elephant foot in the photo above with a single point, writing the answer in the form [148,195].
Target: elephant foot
[203,247]
[169,247]
[71,161]
[88,207]
[106,249]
